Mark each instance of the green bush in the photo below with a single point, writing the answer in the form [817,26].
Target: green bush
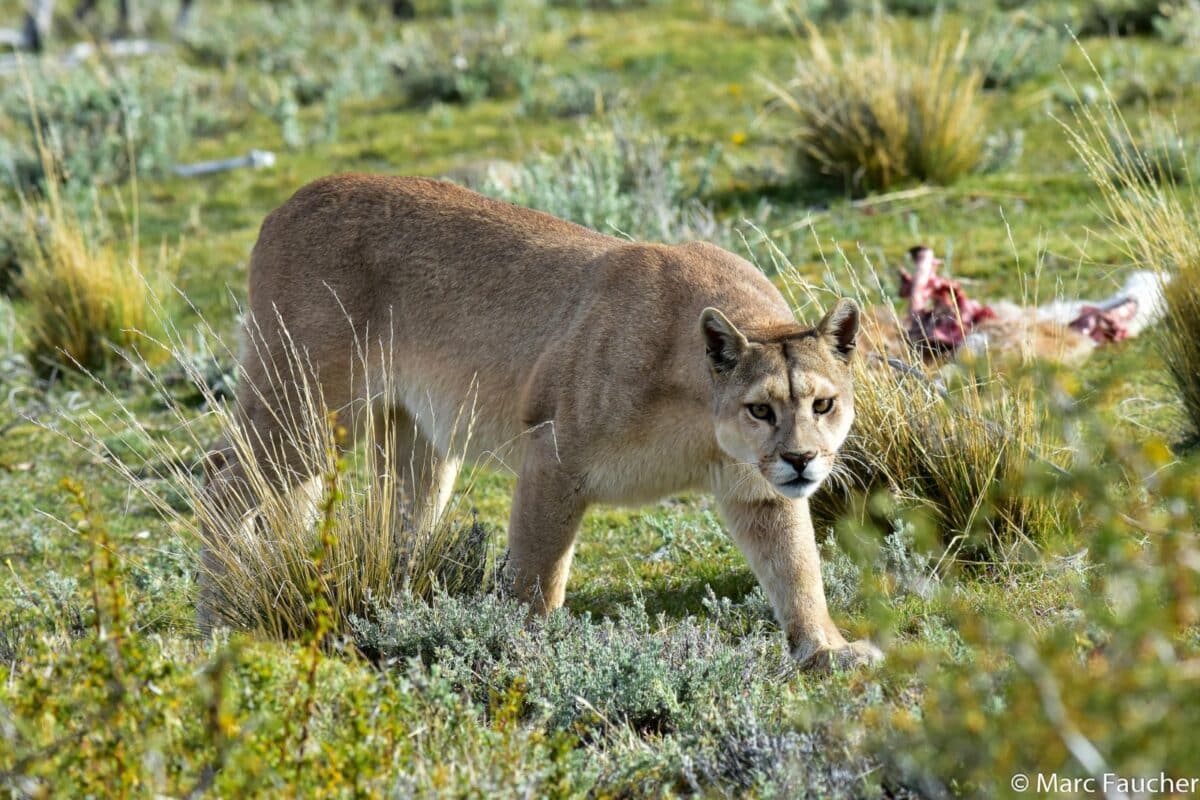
[575,96]
[100,126]
[1158,153]
[620,179]
[290,55]
[463,65]
[1120,17]
[317,48]
[1180,23]
[602,5]
[790,16]
[1105,685]
[1013,49]
[709,706]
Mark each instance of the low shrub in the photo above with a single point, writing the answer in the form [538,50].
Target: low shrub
[780,16]
[317,48]
[1180,23]
[790,16]
[898,111]
[575,96]
[463,65]
[620,179]
[291,55]
[577,674]
[672,706]
[920,8]
[1012,49]
[1121,17]
[1101,686]
[602,5]
[99,125]
[1157,154]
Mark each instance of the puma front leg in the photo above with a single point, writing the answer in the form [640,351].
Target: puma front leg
[776,537]
[546,511]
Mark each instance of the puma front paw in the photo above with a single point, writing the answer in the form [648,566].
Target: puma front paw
[844,657]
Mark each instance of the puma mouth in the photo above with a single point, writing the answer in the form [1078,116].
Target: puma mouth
[799,486]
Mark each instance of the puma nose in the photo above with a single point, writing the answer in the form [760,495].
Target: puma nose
[798,461]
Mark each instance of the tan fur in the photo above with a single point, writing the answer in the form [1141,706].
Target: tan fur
[600,368]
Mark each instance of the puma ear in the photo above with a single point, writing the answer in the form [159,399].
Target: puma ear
[723,342]
[840,327]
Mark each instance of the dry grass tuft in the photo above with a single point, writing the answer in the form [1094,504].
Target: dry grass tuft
[307,558]
[898,109]
[87,299]
[1179,341]
[1157,224]
[962,454]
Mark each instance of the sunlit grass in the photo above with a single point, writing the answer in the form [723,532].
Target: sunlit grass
[896,108]
[326,541]
[87,299]
[1152,207]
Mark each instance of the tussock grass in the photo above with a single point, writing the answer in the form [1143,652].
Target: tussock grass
[895,109]
[1179,341]
[314,551]
[961,454]
[1155,219]
[87,299]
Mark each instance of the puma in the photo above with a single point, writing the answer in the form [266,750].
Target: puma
[614,372]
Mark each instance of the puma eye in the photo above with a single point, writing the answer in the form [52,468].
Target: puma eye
[822,405]
[761,411]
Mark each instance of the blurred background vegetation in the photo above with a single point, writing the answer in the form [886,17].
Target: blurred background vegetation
[1022,540]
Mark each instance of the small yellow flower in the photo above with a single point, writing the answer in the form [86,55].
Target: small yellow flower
[738,138]
[735,89]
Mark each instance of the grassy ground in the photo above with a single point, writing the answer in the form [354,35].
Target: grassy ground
[108,689]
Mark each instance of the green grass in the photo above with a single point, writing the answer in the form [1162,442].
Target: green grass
[110,690]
